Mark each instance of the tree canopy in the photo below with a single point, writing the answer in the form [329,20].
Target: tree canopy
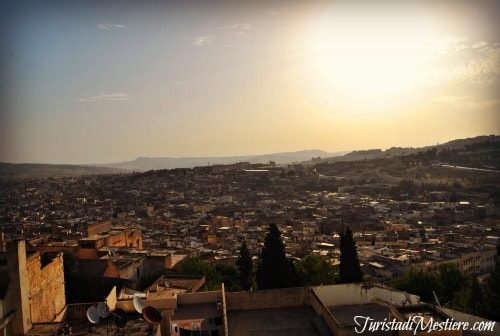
[315,270]
[492,291]
[246,275]
[274,270]
[350,270]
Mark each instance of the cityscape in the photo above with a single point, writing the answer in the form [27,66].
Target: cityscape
[250,168]
[183,229]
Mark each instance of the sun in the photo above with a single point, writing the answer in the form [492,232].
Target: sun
[371,54]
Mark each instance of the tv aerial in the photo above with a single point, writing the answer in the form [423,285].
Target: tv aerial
[119,317]
[138,303]
[102,309]
[95,314]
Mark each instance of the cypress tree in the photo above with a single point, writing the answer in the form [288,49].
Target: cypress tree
[476,300]
[349,268]
[274,270]
[245,267]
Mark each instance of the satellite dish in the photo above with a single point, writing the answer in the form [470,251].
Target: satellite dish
[93,315]
[138,304]
[102,308]
[120,317]
[151,315]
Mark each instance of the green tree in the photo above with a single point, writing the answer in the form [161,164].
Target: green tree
[349,268]
[195,266]
[245,268]
[492,291]
[475,304]
[451,281]
[274,270]
[314,270]
[418,282]
[229,276]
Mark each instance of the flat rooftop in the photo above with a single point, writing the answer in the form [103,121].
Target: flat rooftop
[272,322]
[168,286]
[345,314]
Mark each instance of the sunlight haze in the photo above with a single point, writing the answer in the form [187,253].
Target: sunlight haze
[98,82]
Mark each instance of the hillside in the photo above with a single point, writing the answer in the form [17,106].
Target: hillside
[480,147]
[148,163]
[468,163]
[481,152]
[43,171]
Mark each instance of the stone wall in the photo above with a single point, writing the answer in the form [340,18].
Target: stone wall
[46,288]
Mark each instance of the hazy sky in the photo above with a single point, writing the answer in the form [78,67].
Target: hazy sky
[107,81]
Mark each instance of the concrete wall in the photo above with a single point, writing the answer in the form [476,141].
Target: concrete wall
[131,269]
[197,298]
[267,299]
[98,228]
[459,316]
[319,308]
[157,263]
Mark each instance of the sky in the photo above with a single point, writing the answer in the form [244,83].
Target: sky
[109,81]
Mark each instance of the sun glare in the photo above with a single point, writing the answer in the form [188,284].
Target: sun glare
[367,55]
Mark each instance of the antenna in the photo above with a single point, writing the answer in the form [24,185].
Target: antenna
[437,300]
[138,304]
[119,317]
[93,315]
[102,309]
[151,315]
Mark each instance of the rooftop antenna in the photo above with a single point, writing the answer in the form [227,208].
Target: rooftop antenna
[93,315]
[138,303]
[119,317]
[102,309]
[436,298]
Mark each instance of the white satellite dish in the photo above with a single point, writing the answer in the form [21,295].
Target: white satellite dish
[93,315]
[102,309]
[138,304]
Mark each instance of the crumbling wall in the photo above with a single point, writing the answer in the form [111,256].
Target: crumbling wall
[46,288]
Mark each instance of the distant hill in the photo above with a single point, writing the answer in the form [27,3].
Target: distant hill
[479,152]
[470,144]
[147,163]
[33,170]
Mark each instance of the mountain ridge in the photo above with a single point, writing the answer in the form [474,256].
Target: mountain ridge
[305,157]
[149,163]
